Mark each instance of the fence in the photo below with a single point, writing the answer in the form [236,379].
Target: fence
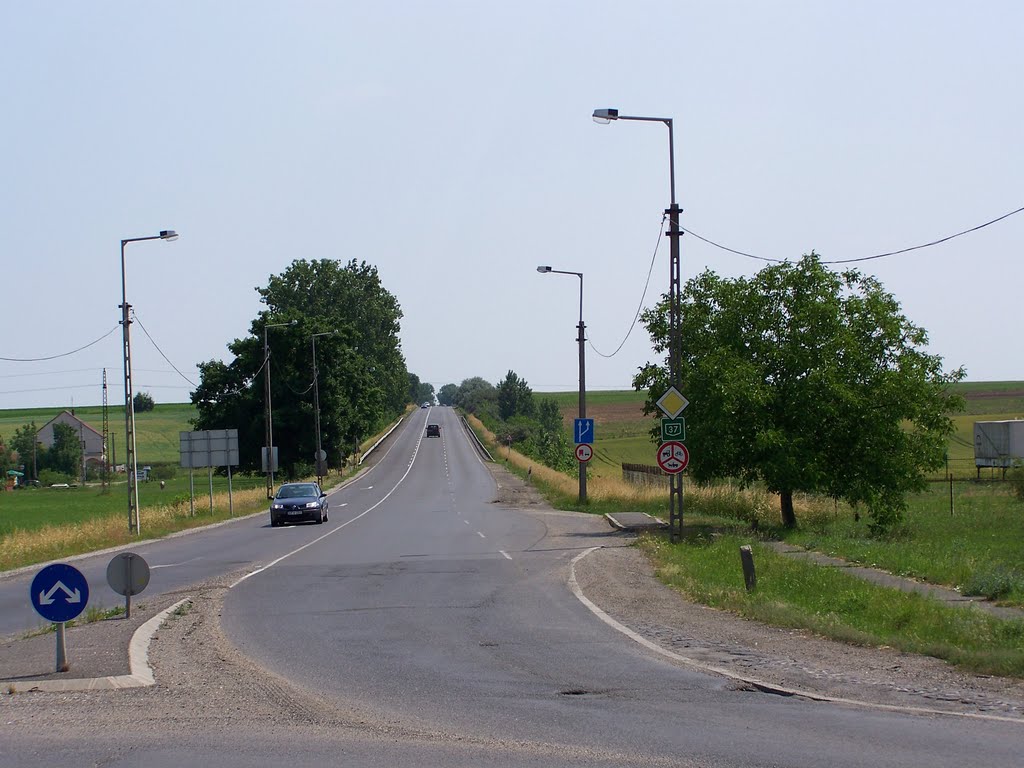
[961,470]
[645,474]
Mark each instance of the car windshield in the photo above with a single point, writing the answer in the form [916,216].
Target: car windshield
[295,491]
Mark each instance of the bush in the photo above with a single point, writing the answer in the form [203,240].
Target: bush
[994,582]
[163,472]
[143,402]
[49,477]
[1017,482]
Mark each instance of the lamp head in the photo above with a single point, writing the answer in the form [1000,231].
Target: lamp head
[542,270]
[168,234]
[605,116]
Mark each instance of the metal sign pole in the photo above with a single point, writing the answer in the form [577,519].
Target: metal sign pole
[128,592]
[62,652]
[231,507]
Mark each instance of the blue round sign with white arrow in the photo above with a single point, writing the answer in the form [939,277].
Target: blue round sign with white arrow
[59,592]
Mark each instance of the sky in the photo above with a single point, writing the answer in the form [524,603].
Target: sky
[451,145]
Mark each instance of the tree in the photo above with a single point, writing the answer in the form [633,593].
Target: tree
[447,394]
[420,391]
[65,455]
[476,394]
[25,443]
[807,380]
[515,398]
[362,379]
[143,402]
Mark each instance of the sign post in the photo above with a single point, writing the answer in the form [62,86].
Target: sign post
[672,451]
[59,593]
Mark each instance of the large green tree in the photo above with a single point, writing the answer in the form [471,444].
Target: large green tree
[420,391]
[515,398]
[65,455]
[446,394]
[476,394]
[362,379]
[807,380]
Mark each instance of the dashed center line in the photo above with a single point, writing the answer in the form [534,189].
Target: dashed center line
[505,554]
[480,535]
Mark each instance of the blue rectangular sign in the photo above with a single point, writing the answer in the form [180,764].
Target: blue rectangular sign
[583,431]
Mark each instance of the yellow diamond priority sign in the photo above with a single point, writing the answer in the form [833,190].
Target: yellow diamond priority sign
[672,403]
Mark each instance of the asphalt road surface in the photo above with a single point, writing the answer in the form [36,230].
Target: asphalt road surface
[432,609]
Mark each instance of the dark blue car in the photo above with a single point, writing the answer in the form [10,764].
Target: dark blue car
[298,502]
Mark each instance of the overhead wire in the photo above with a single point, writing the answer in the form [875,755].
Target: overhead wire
[157,346]
[62,354]
[861,258]
[643,297]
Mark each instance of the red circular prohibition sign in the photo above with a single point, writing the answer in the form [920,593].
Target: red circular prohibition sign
[673,457]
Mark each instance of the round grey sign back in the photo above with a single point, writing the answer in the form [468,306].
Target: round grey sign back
[128,574]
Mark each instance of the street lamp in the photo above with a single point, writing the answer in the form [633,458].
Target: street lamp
[320,455]
[130,464]
[583,368]
[269,415]
[605,116]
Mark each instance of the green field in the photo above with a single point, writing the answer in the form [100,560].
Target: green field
[622,429]
[156,431]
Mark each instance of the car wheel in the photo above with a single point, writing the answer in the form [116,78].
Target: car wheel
[320,517]
[325,515]
[274,523]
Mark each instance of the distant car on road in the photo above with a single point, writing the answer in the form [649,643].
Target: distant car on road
[295,502]
[425,405]
[433,430]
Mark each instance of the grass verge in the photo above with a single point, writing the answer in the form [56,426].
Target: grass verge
[795,594]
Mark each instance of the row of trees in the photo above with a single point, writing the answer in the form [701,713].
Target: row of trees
[362,379]
[510,411]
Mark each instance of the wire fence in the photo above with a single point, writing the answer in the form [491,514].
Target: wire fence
[958,470]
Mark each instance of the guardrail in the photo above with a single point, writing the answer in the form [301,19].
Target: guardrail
[384,437]
[476,440]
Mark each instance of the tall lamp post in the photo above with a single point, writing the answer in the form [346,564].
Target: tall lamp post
[320,455]
[605,116]
[583,369]
[268,419]
[130,463]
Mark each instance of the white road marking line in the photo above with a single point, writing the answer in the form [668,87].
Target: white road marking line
[272,563]
[506,555]
[480,535]
[174,565]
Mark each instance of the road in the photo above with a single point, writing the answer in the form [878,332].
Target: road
[446,620]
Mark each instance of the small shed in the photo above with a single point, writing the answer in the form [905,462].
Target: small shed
[998,443]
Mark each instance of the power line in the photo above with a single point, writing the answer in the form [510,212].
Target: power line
[639,309]
[186,378]
[861,258]
[62,354]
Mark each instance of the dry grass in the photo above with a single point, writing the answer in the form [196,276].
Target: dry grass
[56,541]
[726,500]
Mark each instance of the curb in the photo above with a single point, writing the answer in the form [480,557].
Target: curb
[138,661]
